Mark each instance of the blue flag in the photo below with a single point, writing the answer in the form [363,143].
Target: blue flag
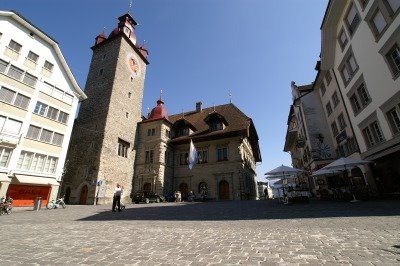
[192,155]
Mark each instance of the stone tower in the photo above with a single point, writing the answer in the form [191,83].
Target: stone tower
[103,145]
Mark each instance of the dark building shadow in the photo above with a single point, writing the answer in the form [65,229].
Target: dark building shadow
[248,210]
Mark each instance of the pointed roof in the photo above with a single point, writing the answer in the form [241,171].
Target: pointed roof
[158,112]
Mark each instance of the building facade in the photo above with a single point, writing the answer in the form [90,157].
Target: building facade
[38,100]
[227,147]
[358,86]
[308,139]
[360,48]
[103,145]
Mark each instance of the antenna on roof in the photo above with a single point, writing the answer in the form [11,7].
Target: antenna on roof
[130,7]
[183,114]
[230,96]
[161,94]
[214,106]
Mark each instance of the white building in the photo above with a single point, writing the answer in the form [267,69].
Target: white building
[360,47]
[38,100]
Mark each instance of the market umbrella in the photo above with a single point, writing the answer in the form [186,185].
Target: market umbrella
[344,163]
[325,172]
[283,170]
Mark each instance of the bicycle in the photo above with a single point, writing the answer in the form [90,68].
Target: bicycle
[54,204]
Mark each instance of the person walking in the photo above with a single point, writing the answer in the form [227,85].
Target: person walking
[117,198]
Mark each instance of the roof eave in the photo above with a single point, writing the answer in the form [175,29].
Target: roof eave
[53,43]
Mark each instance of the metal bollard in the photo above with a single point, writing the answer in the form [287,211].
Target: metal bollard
[38,204]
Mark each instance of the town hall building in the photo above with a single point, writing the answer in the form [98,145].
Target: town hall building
[112,142]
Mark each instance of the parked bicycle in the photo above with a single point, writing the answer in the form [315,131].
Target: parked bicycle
[5,205]
[55,204]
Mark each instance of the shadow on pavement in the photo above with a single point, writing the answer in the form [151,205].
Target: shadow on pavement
[248,210]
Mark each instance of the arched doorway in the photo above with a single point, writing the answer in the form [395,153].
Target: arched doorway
[83,197]
[183,188]
[224,190]
[147,187]
[67,195]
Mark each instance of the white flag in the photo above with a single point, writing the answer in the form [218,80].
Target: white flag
[192,155]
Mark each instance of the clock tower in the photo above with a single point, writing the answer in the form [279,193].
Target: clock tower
[103,145]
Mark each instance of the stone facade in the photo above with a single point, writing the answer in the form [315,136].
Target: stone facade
[231,178]
[102,150]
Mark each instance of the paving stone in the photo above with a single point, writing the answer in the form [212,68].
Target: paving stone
[319,233]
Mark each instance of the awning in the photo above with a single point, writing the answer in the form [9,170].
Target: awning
[383,153]
[35,180]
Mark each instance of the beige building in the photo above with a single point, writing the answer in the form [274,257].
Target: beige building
[38,100]
[227,146]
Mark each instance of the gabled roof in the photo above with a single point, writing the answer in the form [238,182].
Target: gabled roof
[27,24]
[238,124]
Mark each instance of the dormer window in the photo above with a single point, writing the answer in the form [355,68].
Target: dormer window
[215,122]
[183,128]
[216,125]
[182,132]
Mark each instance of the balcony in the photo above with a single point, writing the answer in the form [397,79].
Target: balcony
[10,140]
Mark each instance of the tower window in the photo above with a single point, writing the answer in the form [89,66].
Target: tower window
[131,79]
[104,56]
[127,115]
[129,94]
[149,156]
[123,147]
[101,72]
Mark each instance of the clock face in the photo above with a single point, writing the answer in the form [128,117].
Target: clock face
[133,65]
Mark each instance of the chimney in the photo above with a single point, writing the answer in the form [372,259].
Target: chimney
[198,107]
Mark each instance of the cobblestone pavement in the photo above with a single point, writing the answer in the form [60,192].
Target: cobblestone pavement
[210,233]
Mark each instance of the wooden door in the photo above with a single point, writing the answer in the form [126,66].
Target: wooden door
[84,193]
[147,187]
[224,190]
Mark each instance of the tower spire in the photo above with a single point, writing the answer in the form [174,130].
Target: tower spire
[130,7]
[230,96]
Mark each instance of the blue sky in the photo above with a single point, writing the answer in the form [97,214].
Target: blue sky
[199,50]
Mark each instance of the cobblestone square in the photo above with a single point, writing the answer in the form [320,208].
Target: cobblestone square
[210,233]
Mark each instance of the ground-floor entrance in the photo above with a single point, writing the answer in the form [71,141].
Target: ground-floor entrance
[25,195]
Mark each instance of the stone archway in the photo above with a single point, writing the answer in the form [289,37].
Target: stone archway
[224,190]
[84,193]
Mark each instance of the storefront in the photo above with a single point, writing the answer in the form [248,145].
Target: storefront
[25,189]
